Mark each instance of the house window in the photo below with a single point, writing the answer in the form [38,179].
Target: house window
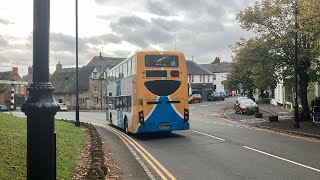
[82,101]
[95,100]
[200,78]
[208,78]
[95,88]
[94,75]
[17,89]
[192,78]
[22,89]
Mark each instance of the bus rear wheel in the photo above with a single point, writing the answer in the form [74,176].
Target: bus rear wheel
[126,129]
[111,118]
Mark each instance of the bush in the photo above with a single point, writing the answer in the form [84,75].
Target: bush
[249,111]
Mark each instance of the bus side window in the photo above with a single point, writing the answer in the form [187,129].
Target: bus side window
[111,102]
[129,103]
[117,105]
[124,103]
[133,65]
[129,67]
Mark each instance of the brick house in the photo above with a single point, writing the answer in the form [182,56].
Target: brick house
[92,80]
[5,89]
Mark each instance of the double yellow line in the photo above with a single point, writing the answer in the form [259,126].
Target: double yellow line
[153,162]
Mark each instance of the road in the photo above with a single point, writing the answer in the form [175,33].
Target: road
[214,148]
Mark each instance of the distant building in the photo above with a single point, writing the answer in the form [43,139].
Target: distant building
[200,80]
[5,89]
[92,80]
[221,70]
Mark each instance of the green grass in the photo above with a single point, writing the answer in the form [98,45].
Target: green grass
[13,144]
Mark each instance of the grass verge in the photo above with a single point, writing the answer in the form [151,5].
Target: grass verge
[13,144]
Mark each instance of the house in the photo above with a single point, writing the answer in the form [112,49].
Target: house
[220,70]
[5,89]
[200,80]
[27,78]
[92,80]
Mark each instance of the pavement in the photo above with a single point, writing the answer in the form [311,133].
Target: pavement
[284,125]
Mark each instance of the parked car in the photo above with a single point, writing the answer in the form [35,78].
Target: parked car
[63,107]
[4,108]
[215,96]
[223,94]
[195,98]
[242,103]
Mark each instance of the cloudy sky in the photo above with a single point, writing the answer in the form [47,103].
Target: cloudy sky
[199,28]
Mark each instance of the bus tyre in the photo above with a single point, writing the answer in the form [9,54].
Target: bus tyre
[126,129]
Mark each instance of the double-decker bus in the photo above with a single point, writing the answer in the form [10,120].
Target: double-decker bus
[148,92]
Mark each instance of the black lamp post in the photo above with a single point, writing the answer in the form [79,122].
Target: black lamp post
[296,115]
[40,106]
[77,123]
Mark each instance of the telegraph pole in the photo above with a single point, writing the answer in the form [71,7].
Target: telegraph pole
[40,106]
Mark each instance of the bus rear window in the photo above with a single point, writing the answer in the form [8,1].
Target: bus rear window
[161,61]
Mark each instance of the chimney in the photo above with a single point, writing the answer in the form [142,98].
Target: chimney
[216,61]
[29,70]
[15,70]
[58,66]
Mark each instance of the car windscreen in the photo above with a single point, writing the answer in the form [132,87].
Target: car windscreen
[161,61]
[246,101]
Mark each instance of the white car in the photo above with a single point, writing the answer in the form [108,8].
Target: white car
[63,107]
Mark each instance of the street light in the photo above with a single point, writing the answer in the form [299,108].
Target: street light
[40,106]
[77,123]
[296,115]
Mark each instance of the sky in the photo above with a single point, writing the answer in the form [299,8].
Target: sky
[201,29]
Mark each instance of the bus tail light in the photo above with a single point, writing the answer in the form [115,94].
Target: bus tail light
[186,115]
[141,117]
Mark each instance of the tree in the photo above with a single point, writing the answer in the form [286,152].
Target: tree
[274,20]
[252,66]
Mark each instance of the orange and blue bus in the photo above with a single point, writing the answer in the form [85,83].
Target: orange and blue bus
[148,92]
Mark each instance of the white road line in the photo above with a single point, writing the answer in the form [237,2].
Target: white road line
[190,107]
[203,105]
[208,135]
[283,159]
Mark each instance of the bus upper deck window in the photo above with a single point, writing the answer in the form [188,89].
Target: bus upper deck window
[161,61]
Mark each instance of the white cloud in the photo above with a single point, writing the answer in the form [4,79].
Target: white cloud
[202,29]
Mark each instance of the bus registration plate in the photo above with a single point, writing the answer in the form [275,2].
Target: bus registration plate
[165,127]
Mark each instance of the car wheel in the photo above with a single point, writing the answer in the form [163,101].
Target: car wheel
[200,101]
[235,111]
[192,101]
[241,112]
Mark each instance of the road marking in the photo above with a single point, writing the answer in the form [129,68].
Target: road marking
[204,105]
[208,135]
[136,156]
[190,107]
[283,159]
[136,145]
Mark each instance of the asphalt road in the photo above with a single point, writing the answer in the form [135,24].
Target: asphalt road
[215,148]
